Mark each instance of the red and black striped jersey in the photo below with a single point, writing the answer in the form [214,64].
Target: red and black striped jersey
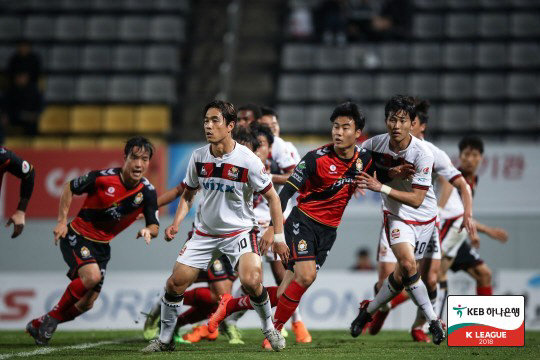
[110,206]
[13,164]
[326,182]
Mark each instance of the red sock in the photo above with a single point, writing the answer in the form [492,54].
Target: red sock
[243,303]
[73,293]
[194,314]
[484,290]
[401,297]
[70,314]
[287,304]
[198,296]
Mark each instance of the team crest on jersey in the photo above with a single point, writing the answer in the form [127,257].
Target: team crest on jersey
[359,165]
[395,234]
[85,253]
[302,246]
[233,173]
[203,171]
[218,266]
[138,199]
[425,170]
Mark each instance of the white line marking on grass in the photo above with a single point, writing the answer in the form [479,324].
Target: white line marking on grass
[48,350]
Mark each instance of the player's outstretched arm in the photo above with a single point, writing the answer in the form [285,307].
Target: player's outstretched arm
[170,195]
[185,203]
[60,230]
[414,198]
[466,198]
[281,179]
[275,237]
[148,233]
[498,234]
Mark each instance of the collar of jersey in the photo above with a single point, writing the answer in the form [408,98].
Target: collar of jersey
[225,156]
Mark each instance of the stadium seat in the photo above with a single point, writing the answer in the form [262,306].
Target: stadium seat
[167,28]
[488,118]
[429,4]
[358,87]
[318,118]
[424,85]
[462,4]
[43,142]
[5,54]
[105,5]
[525,55]
[102,28]
[124,88]
[292,118]
[158,89]
[387,86]
[460,55]
[395,56]
[426,56]
[297,56]
[153,119]
[43,51]
[461,25]
[523,86]
[91,88]
[64,58]
[525,3]
[59,88]
[134,28]
[493,25]
[78,5]
[325,87]
[70,28]
[81,143]
[522,117]
[329,57]
[10,28]
[39,27]
[375,121]
[494,3]
[293,87]
[361,56]
[525,24]
[86,119]
[139,4]
[17,142]
[96,57]
[175,5]
[490,86]
[455,118]
[457,87]
[111,142]
[428,26]
[54,120]
[118,119]
[162,57]
[491,55]
[127,57]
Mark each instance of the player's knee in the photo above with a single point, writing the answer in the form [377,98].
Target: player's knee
[91,279]
[305,279]
[251,281]
[408,267]
[86,306]
[174,286]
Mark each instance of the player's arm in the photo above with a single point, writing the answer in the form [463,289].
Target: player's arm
[466,198]
[414,198]
[150,211]
[444,192]
[170,195]
[281,179]
[274,236]
[185,203]
[285,162]
[498,234]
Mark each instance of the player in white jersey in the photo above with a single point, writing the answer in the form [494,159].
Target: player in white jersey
[228,174]
[410,211]
[442,167]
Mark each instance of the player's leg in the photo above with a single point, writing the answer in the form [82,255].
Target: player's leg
[482,274]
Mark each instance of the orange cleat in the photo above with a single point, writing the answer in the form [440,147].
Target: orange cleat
[377,323]
[301,334]
[419,335]
[266,345]
[220,314]
[212,335]
[199,332]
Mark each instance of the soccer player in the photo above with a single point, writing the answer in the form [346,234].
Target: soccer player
[228,174]
[410,210]
[429,265]
[247,114]
[11,163]
[326,179]
[269,117]
[458,253]
[115,197]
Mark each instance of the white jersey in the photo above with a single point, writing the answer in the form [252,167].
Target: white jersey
[442,165]
[294,152]
[419,155]
[227,186]
[453,207]
[282,155]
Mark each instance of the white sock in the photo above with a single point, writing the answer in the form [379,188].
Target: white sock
[386,293]
[296,315]
[419,295]
[170,309]
[441,300]
[261,305]
[234,317]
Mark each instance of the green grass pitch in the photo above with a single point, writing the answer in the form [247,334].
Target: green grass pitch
[396,345]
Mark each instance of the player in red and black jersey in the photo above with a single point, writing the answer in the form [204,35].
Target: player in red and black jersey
[115,197]
[11,163]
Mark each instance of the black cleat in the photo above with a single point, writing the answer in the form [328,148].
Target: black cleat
[437,331]
[47,328]
[363,318]
[34,332]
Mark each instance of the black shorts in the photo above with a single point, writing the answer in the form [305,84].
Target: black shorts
[221,269]
[466,258]
[308,239]
[78,251]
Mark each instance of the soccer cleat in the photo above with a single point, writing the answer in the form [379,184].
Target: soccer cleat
[151,324]
[157,346]
[34,332]
[232,333]
[197,334]
[363,318]
[211,336]
[419,335]
[378,321]
[284,332]
[437,332]
[220,314]
[47,328]
[276,340]
[178,339]
[266,345]
[301,334]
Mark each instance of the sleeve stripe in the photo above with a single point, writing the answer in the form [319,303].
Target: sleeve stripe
[456,177]
[296,187]
[184,185]
[421,187]
[289,168]
[268,187]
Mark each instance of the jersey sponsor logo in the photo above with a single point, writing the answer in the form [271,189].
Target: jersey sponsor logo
[333,169]
[114,212]
[85,253]
[217,186]
[138,199]
[395,234]
[72,240]
[296,176]
[25,167]
[110,191]
[296,228]
[80,180]
[301,165]
[302,247]
[147,183]
[341,182]
[425,170]
[233,173]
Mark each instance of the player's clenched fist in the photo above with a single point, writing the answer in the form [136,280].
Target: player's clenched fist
[170,232]
[59,232]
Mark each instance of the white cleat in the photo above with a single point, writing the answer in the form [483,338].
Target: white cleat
[157,346]
[277,341]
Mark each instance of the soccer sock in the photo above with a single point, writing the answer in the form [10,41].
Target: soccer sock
[234,317]
[261,305]
[420,319]
[441,298]
[74,292]
[242,303]
[419,295]
[296,315]
[389,289]
[194,315]
[70,314]
[170,307]
[433,296]
[484,290]
[400,298]
[198,296]
[384,307]
[287,303]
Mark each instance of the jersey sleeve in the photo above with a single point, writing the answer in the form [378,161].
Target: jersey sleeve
[258,178]
[305,169]
[15,165]
[150,209]
[191,180]
[368,144]
[283,156]
[443,166]
[423,166]
[84,184]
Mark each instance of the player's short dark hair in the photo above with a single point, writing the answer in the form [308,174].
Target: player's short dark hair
[245,137]
[350,110]
[256,109]
[141,142]
[398,103]
[226,109]
[267,110]
[422,108]
[473,142]
[262,130]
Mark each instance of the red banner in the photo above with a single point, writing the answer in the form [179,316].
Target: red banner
[56,167]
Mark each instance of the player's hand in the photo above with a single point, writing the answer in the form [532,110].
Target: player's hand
[498,234]
[469,224]
[402,171]
[266,240]
[17,219]
[146,234]
[170,232]
[282,250]
[140,216]
[366,181]
[59,232]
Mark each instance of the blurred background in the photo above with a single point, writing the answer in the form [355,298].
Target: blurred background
[78,77]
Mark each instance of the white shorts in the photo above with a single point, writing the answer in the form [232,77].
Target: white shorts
[424,237]
[201,249]
[451,238]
